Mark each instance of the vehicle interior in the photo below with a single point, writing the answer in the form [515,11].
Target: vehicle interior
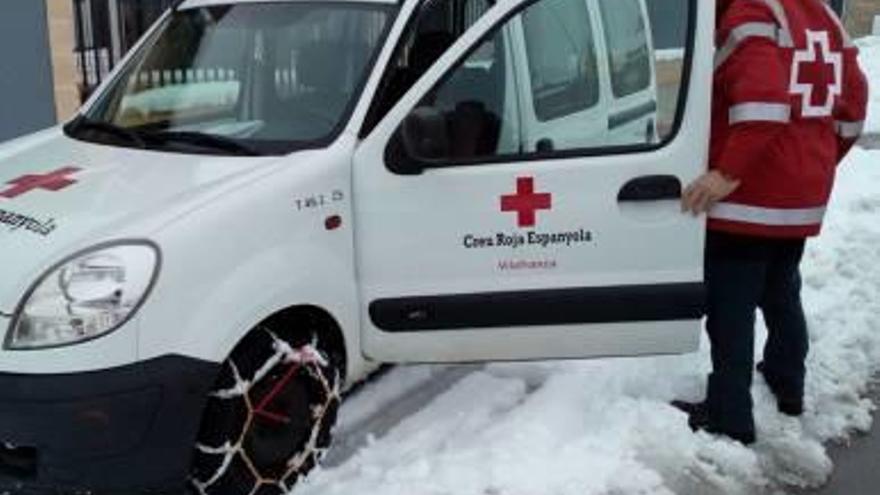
[468,104]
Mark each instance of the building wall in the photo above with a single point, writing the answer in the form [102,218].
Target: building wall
[860,16]
[62,38]
[27,100]
[669,22]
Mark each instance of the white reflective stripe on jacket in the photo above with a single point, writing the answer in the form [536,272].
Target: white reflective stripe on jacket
[780,34]
[759,112]
[775,217]
[849,130]
[740,34]
[785,38]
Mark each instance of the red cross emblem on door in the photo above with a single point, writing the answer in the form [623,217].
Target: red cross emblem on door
[53,181]
[526,202]
[817,75]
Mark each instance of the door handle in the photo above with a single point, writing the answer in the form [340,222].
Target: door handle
[651,188]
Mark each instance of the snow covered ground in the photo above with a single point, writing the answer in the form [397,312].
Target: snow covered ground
[604,427]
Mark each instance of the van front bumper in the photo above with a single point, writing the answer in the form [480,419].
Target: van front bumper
[127,430]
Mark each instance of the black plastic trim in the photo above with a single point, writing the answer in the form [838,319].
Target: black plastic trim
[126,430]
[630,114]
[651,188]
[636,303]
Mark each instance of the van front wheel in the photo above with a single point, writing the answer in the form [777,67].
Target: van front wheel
[269,417]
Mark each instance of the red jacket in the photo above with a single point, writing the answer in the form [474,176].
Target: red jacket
[789,102]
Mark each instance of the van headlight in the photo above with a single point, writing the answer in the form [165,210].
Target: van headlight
[84,297]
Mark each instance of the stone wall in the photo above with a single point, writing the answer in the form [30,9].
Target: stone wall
[62,39]
[860,16]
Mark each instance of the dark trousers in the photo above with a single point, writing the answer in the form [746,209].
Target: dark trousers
[743,274]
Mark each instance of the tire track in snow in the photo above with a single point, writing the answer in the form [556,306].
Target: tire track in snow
[356,433]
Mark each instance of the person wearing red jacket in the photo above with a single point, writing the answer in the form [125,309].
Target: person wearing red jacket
[789,102]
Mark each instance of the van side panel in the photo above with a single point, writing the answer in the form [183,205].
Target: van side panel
[263,248]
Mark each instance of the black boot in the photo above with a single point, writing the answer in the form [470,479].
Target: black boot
[786,404]
[698,419]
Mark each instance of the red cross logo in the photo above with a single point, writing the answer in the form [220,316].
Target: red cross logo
[53,181]
[526,202]
[817,75]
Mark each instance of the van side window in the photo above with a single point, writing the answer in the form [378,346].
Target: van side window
[561,57]
[540,85]
[627,41]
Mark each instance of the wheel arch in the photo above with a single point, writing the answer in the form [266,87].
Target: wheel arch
[333,323]
[306,316]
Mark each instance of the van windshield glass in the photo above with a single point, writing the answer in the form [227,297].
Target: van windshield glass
[254,78]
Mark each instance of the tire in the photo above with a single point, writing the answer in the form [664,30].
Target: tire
[269,418]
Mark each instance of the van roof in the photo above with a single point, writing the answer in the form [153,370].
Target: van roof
[190,4]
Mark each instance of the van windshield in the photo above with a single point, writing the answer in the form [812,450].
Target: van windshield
[251,78]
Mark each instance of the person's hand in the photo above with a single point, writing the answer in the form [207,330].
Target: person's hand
[703,193]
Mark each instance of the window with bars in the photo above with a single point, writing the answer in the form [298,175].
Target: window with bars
[105,30]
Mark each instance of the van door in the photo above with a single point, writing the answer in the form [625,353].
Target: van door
[472,245]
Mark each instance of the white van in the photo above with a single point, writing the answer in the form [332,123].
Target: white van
[270,198]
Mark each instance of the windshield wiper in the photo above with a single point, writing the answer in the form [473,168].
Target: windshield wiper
[203,140]
[85,124]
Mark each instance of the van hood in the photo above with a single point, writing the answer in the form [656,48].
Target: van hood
[58,195]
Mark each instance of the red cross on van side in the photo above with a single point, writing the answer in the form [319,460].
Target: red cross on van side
[53,181]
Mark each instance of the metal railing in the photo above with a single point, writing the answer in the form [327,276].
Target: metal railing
[105,30]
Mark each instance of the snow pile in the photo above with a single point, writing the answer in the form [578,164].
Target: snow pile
[870,61]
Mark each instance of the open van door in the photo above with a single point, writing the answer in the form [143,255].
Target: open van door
[472,245]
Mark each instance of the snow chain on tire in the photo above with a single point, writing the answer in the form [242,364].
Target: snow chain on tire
[265,379]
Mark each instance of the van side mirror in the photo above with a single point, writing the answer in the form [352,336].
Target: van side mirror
[425,135]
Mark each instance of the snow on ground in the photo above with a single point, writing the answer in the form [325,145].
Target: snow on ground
[604,426]
[870,61]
